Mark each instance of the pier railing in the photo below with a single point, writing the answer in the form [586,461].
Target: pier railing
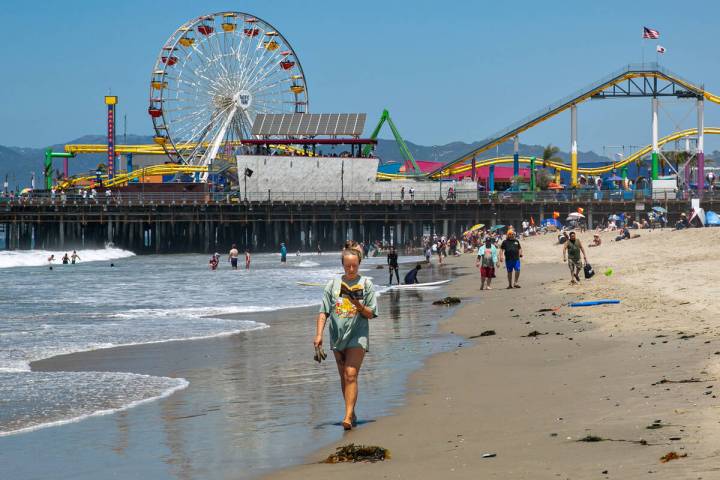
[237,198]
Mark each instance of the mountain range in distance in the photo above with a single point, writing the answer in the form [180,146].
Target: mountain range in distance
[18,163]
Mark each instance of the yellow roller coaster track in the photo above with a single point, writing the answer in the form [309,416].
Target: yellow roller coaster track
[628,73]
[562,166]
[124,178]
[153,149]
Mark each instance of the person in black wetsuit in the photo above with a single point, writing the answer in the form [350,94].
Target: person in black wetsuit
[411,276]
[392,261]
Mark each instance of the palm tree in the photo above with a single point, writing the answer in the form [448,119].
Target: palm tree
[550,154]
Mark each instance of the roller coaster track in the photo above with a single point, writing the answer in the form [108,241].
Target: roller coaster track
[562,166]
[154,149]
[124,178]
[653,72]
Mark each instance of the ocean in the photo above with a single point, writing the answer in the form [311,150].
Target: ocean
[169,303]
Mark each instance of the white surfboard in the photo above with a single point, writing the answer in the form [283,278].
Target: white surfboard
[421,285]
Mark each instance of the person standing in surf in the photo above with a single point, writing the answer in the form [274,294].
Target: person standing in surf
[348,302]
[74,257]
[233,256]
[247,259]
[283,253]
[392,261]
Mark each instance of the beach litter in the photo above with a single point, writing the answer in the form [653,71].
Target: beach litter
[671,456]
[592,303]
[358,453]
[489,455]
[447,301]
[534,333]
[608,272]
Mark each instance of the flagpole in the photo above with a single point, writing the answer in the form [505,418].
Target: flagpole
[642,47]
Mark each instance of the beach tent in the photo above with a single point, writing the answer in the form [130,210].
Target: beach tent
[698,214]
[712,219]
[551,221]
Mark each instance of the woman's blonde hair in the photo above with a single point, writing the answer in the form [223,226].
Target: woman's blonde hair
[351,247]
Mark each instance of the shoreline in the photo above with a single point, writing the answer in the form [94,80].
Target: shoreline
[240,389]
[529,400]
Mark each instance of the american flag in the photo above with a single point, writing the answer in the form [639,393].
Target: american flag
[650,33]
[660,49]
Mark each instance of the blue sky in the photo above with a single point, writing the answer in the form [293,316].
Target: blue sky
[446,70]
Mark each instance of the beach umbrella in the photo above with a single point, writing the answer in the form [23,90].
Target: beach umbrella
[575,216]
[496,228]
[659,210]
[613,217]
[26,190]
[476,227]
[551,221]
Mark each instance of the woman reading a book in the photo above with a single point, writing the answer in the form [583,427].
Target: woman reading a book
[348,302]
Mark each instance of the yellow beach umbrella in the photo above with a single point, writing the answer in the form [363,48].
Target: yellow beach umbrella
[474,228]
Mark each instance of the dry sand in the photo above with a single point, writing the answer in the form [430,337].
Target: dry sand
[608,371]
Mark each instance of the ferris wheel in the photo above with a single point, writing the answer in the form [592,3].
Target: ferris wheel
[213,76]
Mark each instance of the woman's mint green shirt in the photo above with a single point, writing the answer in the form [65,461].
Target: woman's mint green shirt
[347,327]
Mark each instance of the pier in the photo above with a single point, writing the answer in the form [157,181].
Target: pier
[209,222]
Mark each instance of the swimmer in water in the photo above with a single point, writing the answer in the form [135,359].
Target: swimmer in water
[214,260]
[65,259]
[74,257]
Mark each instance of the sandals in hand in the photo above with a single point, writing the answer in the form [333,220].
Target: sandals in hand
[320,354]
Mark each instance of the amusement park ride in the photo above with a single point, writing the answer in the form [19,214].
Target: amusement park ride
[219,77]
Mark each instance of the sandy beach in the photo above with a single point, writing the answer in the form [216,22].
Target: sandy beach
[640,378]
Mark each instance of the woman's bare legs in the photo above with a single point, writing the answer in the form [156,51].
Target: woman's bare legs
[348,363]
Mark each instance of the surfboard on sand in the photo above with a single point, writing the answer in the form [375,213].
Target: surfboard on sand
[421,285]
[310,284]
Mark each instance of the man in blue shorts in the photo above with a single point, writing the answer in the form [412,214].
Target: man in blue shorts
[511,253]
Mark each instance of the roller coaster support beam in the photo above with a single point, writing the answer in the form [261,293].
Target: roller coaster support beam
[655,149]
[49,155]
[532,174]
[701,146]
[491,179]
[573,147]
[516,156]
[385,117]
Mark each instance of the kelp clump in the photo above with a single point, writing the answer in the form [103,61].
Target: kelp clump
[358,453]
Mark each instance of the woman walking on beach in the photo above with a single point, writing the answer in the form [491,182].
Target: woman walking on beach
[487,259]
[348,301]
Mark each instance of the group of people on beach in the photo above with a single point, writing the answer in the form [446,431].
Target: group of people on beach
[394,268]
[490,255]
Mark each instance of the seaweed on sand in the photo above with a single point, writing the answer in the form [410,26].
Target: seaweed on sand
[358,453]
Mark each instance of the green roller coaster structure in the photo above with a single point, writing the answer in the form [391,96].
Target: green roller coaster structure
[404,151]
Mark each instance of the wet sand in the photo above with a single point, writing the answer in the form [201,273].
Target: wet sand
[641,376]
[256,401]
